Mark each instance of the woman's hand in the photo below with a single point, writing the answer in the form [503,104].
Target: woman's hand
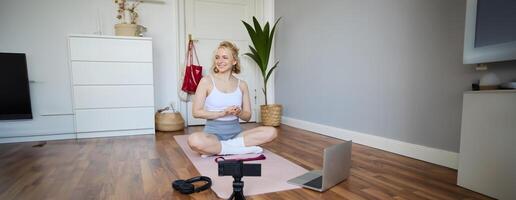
[236,111]
[231,110]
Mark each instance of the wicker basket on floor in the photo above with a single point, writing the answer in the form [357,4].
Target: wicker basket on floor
[271,114]
[169,121]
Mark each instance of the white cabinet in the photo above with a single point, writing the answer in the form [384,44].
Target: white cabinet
[112,85]
[487,158]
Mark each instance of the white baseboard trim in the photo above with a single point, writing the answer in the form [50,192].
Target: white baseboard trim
[428,154]
[65,136]
[116,133]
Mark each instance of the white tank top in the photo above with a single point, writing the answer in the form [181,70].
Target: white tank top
[217,100]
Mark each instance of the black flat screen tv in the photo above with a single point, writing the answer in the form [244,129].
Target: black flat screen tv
[490,32]
[14,87]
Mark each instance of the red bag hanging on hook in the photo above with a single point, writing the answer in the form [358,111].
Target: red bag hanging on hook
[193,73]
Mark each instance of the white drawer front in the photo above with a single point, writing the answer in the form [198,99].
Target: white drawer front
[104,49]
[111,73]
[113,96]
[114,119]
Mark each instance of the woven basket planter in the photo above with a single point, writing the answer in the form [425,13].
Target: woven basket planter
[271,114]
[169,121]
[129,30]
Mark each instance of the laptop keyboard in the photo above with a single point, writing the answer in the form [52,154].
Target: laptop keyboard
[316,183]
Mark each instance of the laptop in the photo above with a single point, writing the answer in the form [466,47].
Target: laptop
[336,166]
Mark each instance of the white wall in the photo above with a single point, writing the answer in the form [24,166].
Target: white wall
[40,29]
[390,68]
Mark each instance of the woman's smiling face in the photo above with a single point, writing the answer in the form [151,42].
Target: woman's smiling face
[224,60]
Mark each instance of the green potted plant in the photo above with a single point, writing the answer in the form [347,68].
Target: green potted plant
[260,53]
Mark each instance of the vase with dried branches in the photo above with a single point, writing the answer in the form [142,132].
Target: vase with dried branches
[128,19]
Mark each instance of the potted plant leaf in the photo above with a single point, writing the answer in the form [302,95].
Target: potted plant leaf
[260,53]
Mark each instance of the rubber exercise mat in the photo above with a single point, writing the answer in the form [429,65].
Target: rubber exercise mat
[276,170]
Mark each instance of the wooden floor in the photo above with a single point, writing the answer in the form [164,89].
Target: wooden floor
[142,167]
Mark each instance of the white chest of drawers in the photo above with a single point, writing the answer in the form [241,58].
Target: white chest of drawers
[112,83]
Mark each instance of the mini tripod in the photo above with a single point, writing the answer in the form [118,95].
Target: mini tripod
[238,169]
[238,189]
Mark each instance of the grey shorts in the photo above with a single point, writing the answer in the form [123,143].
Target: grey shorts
[224,130]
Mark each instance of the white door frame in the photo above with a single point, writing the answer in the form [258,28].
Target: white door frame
[266,7]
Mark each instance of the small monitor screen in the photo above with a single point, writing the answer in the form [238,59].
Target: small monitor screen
[496,22]
[14,87]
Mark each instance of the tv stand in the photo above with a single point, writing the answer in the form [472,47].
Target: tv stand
[487,158]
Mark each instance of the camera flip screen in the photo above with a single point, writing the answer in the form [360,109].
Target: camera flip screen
[239,169]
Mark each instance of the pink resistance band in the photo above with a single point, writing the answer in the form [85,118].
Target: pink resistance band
[260,157]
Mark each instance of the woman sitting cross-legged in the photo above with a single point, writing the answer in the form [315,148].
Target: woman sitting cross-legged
[222,99]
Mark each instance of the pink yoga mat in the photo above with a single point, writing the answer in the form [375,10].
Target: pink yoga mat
[276,170]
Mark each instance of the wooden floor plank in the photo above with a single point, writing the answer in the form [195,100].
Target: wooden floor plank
[142,167]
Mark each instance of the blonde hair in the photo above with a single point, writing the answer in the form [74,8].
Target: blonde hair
[234,52]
